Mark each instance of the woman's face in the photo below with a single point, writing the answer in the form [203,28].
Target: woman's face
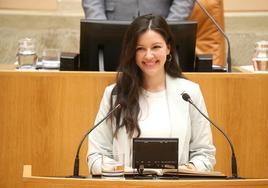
[151,53]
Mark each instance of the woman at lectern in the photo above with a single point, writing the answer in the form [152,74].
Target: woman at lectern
[148,87]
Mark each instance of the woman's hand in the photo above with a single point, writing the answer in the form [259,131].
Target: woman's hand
[188,166]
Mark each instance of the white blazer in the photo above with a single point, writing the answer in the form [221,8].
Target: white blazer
[187,124]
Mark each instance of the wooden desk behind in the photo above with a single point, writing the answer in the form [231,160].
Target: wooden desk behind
[43,116]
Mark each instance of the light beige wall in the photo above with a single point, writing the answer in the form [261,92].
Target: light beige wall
[29,4]
[60,28]
[246,5]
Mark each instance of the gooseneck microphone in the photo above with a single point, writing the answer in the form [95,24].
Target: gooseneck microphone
[76,162]
[229,61]
[187,98]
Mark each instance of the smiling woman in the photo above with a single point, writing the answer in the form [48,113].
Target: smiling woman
[151,56]
[147,86]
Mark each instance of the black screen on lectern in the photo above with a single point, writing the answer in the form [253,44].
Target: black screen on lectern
[155,153]
[108,36]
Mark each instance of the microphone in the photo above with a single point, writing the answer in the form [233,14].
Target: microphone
[187,98]
[229,61]
[76,161]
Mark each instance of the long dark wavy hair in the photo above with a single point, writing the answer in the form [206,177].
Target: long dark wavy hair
[129,78]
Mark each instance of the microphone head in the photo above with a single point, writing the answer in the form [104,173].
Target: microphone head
[186,97]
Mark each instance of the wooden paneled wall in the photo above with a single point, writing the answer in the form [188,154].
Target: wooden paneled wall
[43,116]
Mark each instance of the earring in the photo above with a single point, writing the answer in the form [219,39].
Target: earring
[169,57]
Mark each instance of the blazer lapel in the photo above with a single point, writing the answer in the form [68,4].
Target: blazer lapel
[178,110]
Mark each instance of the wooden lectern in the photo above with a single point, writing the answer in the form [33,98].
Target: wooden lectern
[30,181]
[43,116]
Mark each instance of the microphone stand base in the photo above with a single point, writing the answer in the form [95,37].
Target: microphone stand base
[77,177]
[233,177]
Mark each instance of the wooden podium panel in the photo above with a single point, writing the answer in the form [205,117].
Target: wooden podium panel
[30,181]
[43,116]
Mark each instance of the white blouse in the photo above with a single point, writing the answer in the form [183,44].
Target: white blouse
[154,118]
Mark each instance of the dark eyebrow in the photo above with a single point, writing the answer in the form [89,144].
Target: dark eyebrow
[156,43]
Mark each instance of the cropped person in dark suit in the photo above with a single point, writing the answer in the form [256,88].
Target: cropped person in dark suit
[130,9]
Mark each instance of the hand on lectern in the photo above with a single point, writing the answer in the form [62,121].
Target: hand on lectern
[187,166]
